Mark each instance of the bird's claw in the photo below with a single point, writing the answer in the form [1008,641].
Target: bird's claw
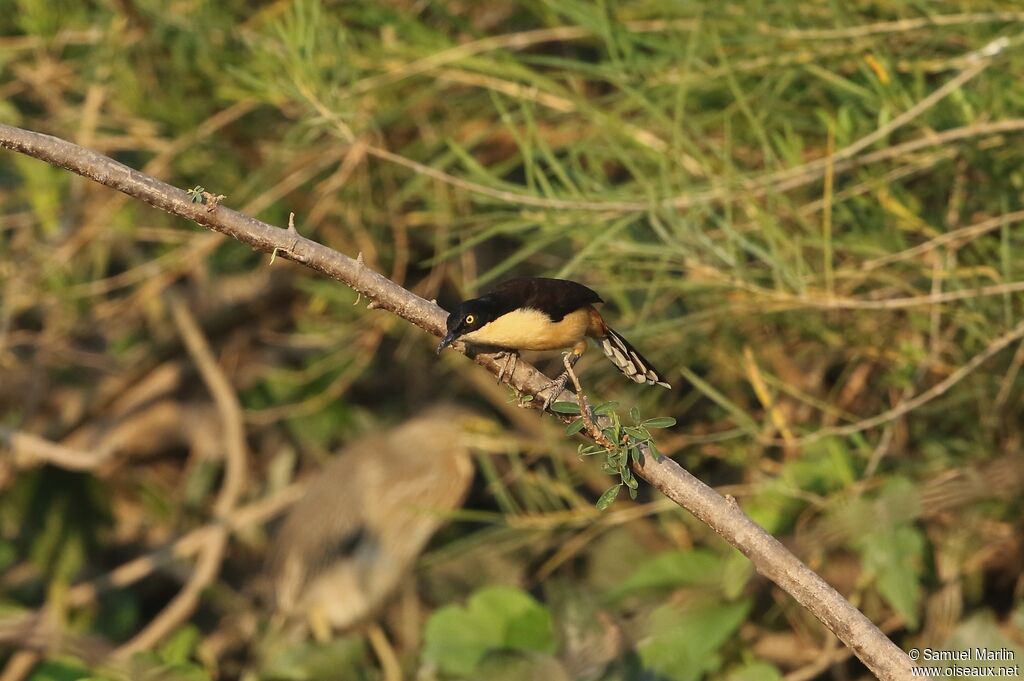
[569,359]
[508,368]
[557,386]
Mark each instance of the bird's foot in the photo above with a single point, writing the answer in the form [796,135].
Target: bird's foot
[511,358]
[569,360]
[556,386]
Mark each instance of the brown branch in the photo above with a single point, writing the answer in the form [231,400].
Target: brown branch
[20,665]
[769,556]
[908,405]
[186,545]
[211,555]
[236,452]
[30,450]
[593,430]
[35,634]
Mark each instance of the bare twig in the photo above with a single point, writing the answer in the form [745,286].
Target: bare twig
[956,236]
[787,301]
[905,407]
[185,546]
[31,450]
[1010,378]
[896,26]
[19,665]
[184,602]
[595,432]
[236,450]
[214,547]
[385,653]
[769,556]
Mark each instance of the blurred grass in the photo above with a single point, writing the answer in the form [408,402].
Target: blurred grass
[669,155]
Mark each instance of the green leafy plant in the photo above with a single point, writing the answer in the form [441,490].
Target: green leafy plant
[495,618]
[628,443]
[683,644]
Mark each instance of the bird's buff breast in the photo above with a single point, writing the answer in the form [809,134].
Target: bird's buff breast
[527,329]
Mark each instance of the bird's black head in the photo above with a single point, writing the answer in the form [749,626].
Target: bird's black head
[469,316]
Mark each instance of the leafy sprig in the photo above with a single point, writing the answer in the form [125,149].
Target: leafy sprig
[627,443]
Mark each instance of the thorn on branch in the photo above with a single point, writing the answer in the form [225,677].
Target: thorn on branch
[291,251]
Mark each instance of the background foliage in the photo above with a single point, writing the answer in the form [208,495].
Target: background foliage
[844,337]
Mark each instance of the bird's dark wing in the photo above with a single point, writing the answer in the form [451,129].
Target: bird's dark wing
[554,297]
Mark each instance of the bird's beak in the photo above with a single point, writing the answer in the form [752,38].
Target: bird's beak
[448,340]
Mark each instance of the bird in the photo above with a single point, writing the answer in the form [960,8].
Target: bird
[537,313]
[353,538]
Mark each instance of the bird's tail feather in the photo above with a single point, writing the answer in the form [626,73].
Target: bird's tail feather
[629,361]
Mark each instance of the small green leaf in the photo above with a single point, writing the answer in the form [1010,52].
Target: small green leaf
[672,569]
[565,408]
[336,659]
[755,671]
[826,466]
[606,408]
[682,643]
[608,497]
[894,556]
[617,459]
[634,414]
[509,665]
[58,671]
[495,618]
[654,450]
[736,571]
[660,422]
[638,434]
[180,646]
[575,427]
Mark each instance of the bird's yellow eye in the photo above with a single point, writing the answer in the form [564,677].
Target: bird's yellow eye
[470,319]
